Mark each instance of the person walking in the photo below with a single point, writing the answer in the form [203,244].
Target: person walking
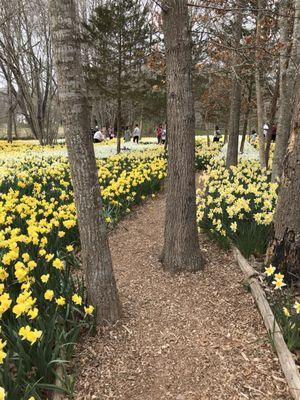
[266,129]
[159,133]
[136,134]
[274,133]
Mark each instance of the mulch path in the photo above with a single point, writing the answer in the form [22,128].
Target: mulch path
[185,337]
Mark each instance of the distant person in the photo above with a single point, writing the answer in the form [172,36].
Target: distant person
[265,130]
[127,134]
[159,130]
[136,134]
[164,135]
[111,133]
[98,136]
[217,134]
[274,133]
[253,135]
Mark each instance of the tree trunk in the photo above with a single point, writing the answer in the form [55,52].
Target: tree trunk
[226,133]
[261,5]
[236,93]
[246,120]
[10,108]
[15,125]
[181,243]
[207,130]
[119,101]
[96,256]
[119,118]
[284,249]
[272,116]
[289,58]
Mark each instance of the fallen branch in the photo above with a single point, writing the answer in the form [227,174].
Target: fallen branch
[285,357]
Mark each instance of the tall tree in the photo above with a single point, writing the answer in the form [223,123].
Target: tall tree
[236,94]
[96,255]
[284,248]
[119,35]
[289,58]
[259,64]
[247,114]
[11,107]
[181,244]
[26,61]
[273,112]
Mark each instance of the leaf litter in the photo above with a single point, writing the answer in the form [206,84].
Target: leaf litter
[184,337]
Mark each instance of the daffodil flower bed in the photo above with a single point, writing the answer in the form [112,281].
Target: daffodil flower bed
[237,205]
[43,306]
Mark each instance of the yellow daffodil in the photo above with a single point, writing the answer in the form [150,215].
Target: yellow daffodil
[48,295]
[269,271]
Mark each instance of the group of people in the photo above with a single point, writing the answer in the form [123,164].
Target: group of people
[101,134]
[252,135]
[161,134]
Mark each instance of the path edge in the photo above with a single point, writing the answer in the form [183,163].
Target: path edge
[285,357]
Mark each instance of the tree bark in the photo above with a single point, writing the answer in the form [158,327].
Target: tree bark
[272,116]
[181,243]
[246,119]
[96,256]
[236,93]
[284,249]
[119,100]
[10,108]
[289,58]
[261,5]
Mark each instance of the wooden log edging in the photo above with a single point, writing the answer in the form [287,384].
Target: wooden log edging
[285,357]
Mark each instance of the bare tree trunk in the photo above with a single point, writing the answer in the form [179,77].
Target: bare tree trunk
[261,5]
[119,101]
[272,116]
[96,255]
[207,130]
[10,108]
[119,118]
[181,244]
[246,120]
[15,125]
[289,58]
[236,93]
[284,248]
[226,133]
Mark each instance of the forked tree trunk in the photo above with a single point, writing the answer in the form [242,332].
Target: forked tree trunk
[181,243]
[289,58]
[96,255]
[236,93]
[284,249]
[261,5]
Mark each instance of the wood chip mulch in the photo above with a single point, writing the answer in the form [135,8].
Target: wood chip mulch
[185,337]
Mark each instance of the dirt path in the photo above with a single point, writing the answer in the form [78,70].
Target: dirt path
[188,337]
